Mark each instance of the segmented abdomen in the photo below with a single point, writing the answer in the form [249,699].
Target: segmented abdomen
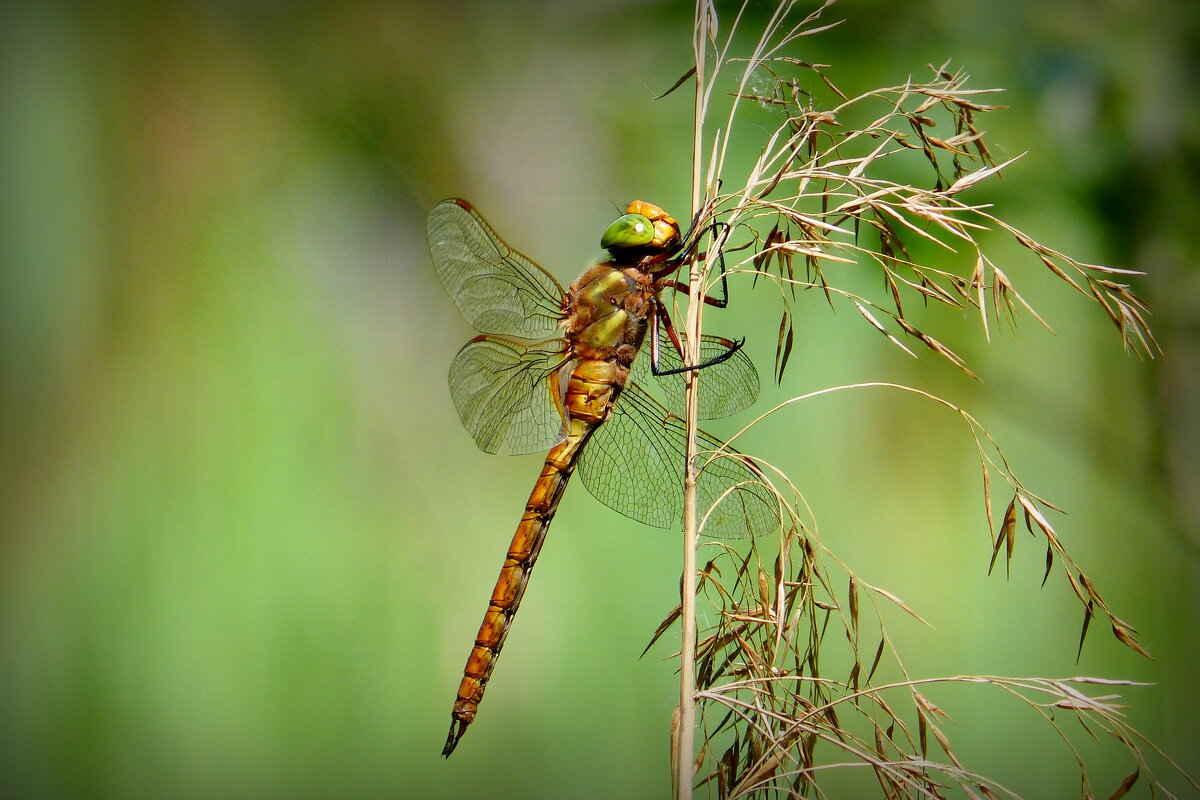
[591,390]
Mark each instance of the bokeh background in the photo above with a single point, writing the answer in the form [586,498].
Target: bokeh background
[244,542]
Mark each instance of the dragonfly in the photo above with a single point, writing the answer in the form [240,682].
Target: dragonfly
[558,371]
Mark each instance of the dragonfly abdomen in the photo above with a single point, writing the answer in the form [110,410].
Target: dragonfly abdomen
[591,390]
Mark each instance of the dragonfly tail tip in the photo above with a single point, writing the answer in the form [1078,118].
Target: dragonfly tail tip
[457,729]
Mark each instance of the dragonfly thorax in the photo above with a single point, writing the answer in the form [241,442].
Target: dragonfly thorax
[607,312]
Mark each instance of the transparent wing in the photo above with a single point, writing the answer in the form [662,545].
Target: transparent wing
[633,463]
[496,288]
[725,388]
[502,390]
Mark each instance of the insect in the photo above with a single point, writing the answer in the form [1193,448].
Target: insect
[551,371]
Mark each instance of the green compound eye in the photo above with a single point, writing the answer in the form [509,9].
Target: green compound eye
[631,230]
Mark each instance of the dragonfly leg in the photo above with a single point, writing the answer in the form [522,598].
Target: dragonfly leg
[719,302]
[660,317]
[696,231]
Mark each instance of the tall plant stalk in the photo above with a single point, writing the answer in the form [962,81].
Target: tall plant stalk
[684,747]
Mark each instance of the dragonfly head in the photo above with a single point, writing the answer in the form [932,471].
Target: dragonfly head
[646,231]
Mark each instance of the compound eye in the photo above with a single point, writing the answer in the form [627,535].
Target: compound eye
[631,230]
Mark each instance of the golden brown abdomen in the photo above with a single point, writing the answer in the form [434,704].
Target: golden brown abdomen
[591,390]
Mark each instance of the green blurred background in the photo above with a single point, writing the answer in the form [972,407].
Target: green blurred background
[245,542]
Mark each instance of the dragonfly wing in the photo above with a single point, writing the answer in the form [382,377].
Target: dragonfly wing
[496,288]
[726,387]
[633,463]
[746,506]
[502,390]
